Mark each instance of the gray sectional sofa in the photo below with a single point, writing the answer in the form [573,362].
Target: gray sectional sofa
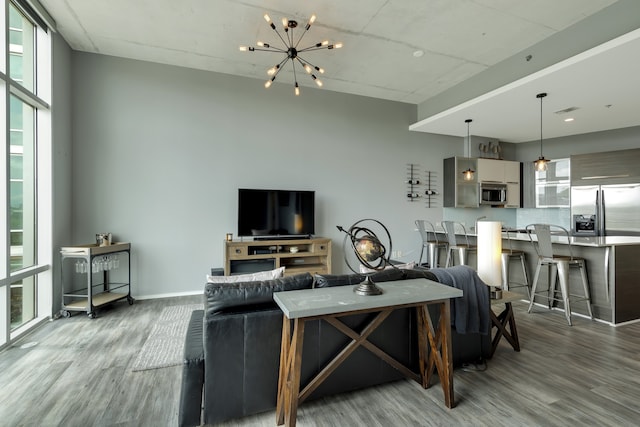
[233,347]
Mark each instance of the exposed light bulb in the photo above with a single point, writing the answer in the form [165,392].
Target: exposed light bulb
[244,48]
[267,85]
[271,71]
[315,79]
[312,19]
[269,21]
[285,22]
[338,45]
[261,44]
[324,43]
[297,89]
[540,165]
[307,68]
[321,70]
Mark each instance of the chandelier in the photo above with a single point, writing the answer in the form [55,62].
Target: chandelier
[290,49]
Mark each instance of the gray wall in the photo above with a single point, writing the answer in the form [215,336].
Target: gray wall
[61,136]
[160,151]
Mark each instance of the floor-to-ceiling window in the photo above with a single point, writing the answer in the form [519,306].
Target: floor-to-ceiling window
[25,72]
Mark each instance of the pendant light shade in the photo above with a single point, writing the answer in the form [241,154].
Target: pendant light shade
[540,165]
[468,174]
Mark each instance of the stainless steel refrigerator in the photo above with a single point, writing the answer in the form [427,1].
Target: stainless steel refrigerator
[614,209]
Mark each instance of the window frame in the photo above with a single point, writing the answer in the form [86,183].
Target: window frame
[40,100]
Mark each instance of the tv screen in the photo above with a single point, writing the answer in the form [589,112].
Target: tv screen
[272,213]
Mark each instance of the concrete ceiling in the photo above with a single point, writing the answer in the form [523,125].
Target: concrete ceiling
[458,39]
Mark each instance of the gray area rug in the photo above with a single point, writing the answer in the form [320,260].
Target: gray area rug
[165,344]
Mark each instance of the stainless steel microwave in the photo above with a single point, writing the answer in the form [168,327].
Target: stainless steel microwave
[493,193]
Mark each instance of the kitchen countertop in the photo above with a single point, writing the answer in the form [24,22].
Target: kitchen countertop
[593,241]
[590,241]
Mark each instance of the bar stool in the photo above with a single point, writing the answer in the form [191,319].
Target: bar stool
[430,241]
[509,254]
[463,249]
[562,264]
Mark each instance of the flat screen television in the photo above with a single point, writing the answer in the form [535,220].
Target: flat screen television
[275,213]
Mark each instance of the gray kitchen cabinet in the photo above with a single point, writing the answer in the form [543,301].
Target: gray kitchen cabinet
[459,193]
[610,167]
[491,170]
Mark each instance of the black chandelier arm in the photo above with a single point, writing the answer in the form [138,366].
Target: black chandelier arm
[306,29]
[269,49]
[279,67]
[304,62]
[301,36]
[295,76]
[315,47]
[279,35]
[289,36]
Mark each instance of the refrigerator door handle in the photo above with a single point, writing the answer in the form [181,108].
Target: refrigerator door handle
[598,214]
[603,230]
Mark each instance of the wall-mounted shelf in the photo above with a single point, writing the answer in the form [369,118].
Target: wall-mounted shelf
[420,188]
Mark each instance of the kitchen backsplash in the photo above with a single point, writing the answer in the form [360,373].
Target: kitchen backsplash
[556,216]
[514,218]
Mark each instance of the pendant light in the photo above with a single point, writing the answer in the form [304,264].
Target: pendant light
[540,165]
[468,174]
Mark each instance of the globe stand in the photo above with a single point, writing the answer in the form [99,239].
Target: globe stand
[369,251]
[367,287]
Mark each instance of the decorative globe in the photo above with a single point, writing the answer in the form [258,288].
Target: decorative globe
[369,250]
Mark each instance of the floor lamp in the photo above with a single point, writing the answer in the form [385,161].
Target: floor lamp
[490,255]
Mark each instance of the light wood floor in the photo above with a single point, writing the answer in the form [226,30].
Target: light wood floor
[79,375]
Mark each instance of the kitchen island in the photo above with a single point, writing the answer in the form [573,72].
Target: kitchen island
[613,269]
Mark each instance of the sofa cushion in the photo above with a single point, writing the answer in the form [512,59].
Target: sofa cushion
[405,266]
[230,297]
[387,275]
[329,280]
[250,277]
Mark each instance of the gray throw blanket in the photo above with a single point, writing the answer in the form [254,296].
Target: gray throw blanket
[470,313]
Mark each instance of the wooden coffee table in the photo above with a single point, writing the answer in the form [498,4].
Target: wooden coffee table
[331,303]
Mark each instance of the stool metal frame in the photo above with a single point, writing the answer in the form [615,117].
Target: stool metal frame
[562,264]
[463,249]
[509,254]
[430,241]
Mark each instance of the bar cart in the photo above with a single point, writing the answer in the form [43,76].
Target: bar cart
[106,281]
